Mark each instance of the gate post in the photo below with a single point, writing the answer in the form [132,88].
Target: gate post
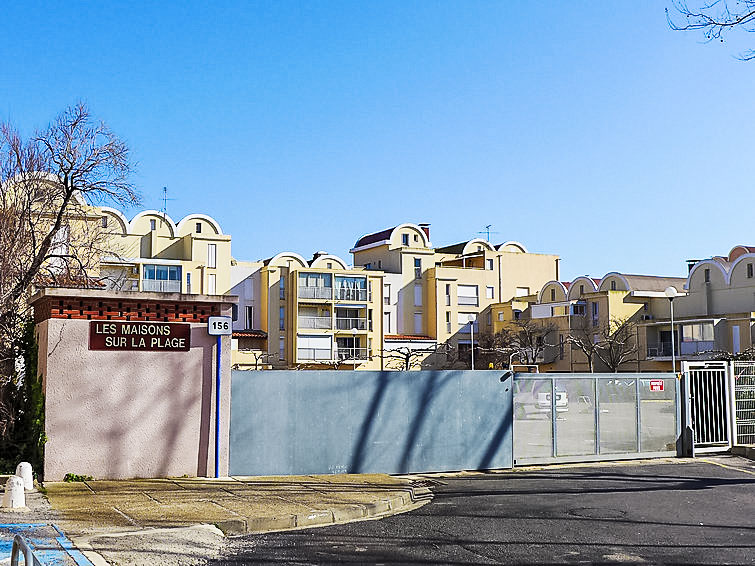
[686,442]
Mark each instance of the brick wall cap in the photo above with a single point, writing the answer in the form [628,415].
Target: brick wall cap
[131,296]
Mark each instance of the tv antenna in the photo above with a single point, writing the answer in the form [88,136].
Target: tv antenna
[488,232]
[164,209]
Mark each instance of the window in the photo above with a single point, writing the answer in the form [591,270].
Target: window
[489,318]
[380,264]
[595,314]
[369,319]
[613,285]
[489,264]
[282,287]
[386,322]
[404,239]
[250,317]
[369,291]
[489,292]
[560,346]
[522,291]
[103,220]
[707,275]
[500,316]
[749,271]
[212,255]
[211,284]
[386,293]
[697,332]
[418,323]
[188,282]
[152,224]
[553,294]
[467,295]
[448,294]
[162,272]
[418,295]
[330,265]
[282,348]
[578,309]
[198,228]
[282,319]
[416,238]
[368,266]
[417,268]
[517,314]
[581,289]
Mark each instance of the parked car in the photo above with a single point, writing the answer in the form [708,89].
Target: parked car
[534,398]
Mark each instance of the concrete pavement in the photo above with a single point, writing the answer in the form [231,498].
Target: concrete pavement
[176,521]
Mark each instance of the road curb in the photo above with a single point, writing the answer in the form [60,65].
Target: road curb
[409,498]
[744,451]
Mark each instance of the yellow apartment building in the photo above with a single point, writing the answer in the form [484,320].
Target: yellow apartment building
[153,253]
[432,295]
[586,308]
[715,315]
[315,314]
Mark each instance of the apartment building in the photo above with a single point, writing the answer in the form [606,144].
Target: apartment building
[432,295]
[153,253]
[315,314]
[715,315]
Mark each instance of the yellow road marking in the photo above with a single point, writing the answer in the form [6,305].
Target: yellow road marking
[727,466]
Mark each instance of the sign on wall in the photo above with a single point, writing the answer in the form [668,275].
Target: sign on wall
[146,336]
[220,326]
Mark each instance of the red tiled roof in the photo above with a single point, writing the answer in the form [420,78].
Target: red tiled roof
[249,334]
[406,337]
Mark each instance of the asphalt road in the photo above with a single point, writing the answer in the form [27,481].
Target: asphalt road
[663,512]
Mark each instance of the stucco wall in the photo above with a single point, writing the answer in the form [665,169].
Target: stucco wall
[123,414]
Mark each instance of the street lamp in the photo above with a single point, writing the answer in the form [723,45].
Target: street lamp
[471,318]
[354,346]
[670,293]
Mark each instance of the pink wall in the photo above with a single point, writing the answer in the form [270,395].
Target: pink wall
[126,414]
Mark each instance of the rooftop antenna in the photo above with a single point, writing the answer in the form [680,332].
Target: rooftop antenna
[164,209]
[488,232]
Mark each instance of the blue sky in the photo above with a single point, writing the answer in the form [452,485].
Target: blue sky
[585,129]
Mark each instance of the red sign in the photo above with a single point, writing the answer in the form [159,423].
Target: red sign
[145,336]
[656,385]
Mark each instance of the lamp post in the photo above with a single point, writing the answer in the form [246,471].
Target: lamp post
[671,293]
[354,346]
[471,319]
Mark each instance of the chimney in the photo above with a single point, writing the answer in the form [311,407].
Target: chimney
[426,229]
[318,254]
[690,264]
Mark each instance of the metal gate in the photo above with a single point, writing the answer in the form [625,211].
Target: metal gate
[708,407]
[744,402]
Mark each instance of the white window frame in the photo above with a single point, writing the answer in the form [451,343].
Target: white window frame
[212,255]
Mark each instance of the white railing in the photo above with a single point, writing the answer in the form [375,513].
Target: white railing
[352,354]
[161,286]
[315,292]
[468,301]
[349,323]
[316,322]
[351,294]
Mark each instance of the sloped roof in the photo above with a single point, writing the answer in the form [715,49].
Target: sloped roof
[376,237]
[653,282]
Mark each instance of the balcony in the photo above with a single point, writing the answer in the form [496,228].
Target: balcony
[661,350]
[470,301]
[351,295]
[315,292]
[161,286]
[349,323]
[687,348]
[315,322]
[314,354]
[352,354]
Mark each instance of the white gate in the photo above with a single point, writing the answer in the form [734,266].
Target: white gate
[708,409]
[744,402]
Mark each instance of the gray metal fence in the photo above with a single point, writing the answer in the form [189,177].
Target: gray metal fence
[318,422]
[744,402]
[583,417]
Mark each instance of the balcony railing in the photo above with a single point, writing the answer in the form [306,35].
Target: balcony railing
[349,323]
[314,354]
[468,301]
[697,346]
[352,354]
[315,292]
[316,322]
[351,294]
[161,286]
[661,350]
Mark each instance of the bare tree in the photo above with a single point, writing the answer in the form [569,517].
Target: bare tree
[715,18]
[584,340]
[406,358]
[617,343]
[526,339]
[49,234]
